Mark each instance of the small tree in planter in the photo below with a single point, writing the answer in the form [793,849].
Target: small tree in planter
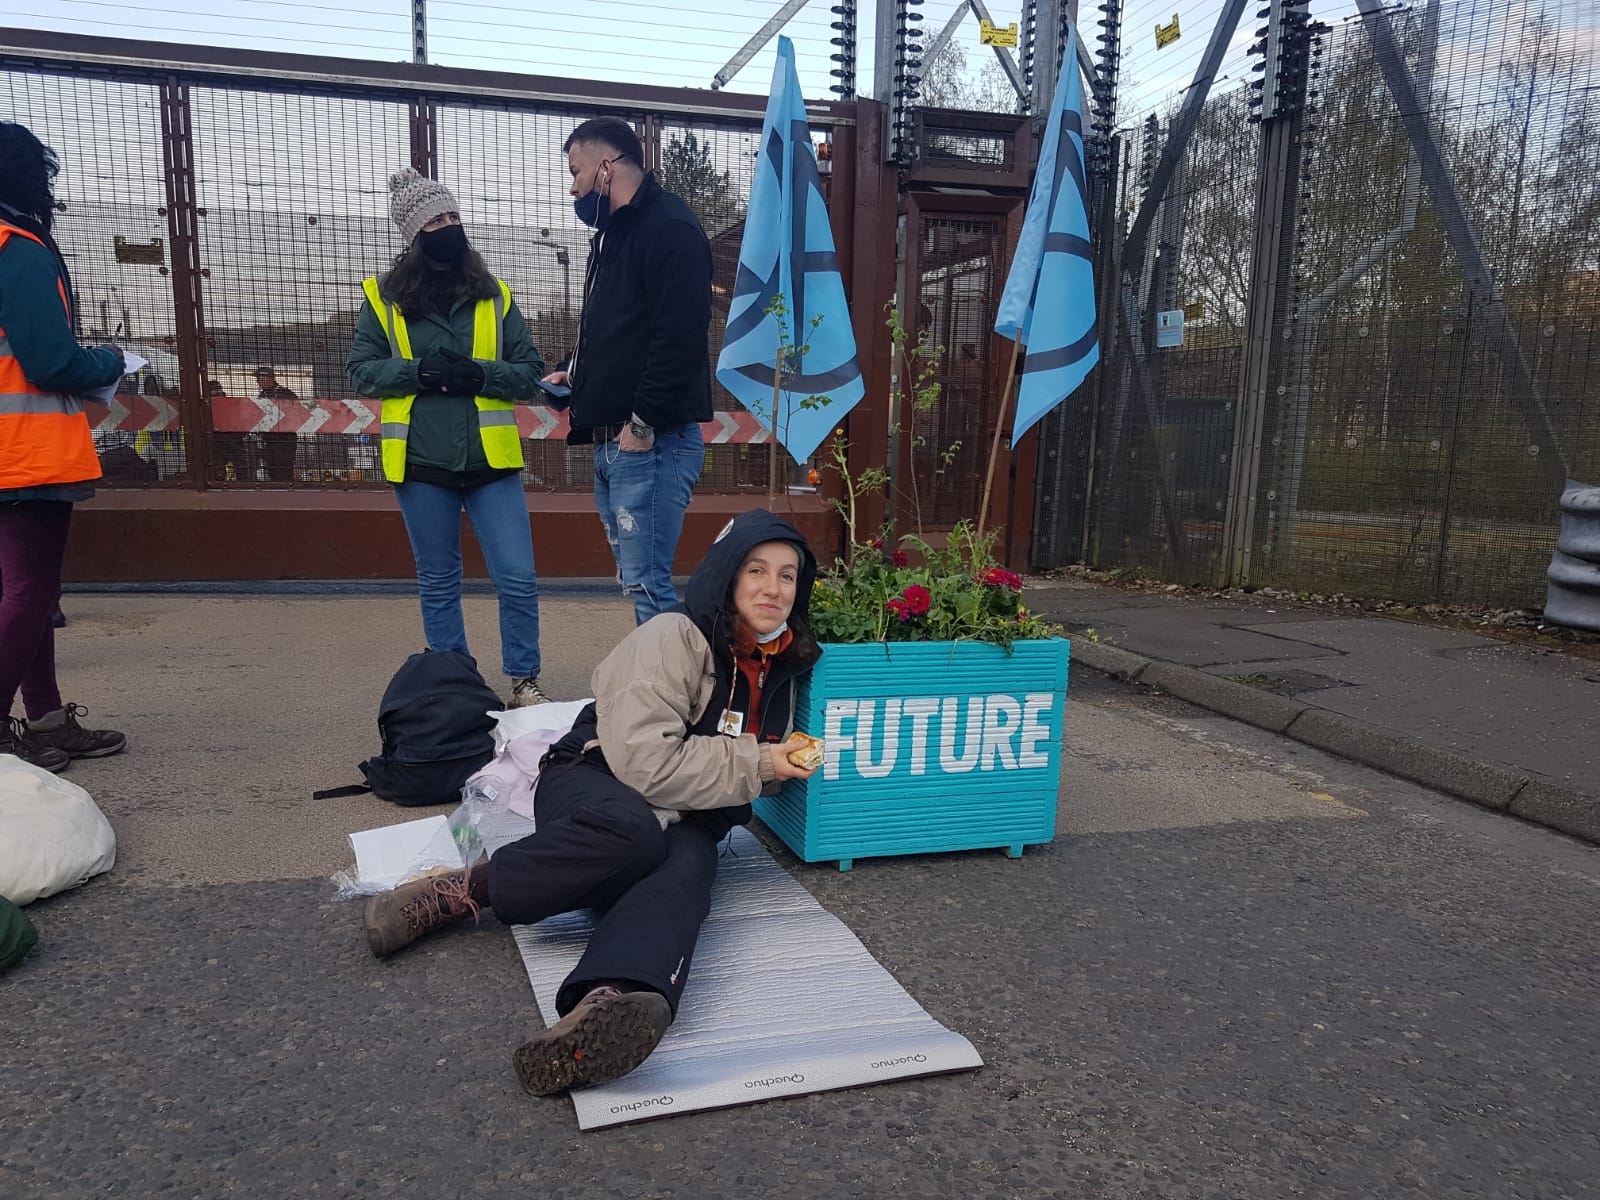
[939,695]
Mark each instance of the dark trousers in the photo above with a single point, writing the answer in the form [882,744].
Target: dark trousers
[598,845]
[33,543]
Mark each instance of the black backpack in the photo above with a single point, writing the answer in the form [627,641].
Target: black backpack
[435,728]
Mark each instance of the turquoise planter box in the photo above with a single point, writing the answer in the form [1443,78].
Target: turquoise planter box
[931,746]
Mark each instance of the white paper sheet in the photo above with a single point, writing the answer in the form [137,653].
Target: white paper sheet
[130,364]
[393,854]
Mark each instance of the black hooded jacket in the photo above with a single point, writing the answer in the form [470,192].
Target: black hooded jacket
[644,333]
[708,602]
[660,696]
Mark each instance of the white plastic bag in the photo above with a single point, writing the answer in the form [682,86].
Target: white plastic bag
[497,798]
[55,837]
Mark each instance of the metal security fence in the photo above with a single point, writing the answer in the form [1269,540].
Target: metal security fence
[1384,258]
[958,266]
[220,221]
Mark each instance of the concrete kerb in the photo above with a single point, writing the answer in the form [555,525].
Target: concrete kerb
[1109,660]
[1558,807]
[1488,785]
[1485,784]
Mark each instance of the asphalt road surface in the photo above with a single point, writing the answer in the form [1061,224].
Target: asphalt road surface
[1242,970]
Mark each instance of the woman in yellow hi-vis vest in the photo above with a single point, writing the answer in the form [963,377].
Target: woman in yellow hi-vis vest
[444,346]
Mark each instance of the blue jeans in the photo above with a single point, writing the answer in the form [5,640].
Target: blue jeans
[499,515]
[642,497]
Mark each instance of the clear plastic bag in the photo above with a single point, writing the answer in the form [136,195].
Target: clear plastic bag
[481,804]
[496,803]
[459,839]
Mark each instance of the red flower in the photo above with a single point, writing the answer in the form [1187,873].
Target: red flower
[875,544]
[1000,577]
[900,558]
[898,607]
[917,599]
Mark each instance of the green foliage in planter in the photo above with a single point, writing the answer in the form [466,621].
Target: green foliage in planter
[956,593]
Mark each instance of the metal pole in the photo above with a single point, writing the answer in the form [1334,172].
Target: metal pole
[177,146]
[419,31]
[1276,195]
[844,44]
[942,39]
[1183,127]
[883,54]
[751,48]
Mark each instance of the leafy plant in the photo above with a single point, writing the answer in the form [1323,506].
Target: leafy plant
[916,370]
[955,593]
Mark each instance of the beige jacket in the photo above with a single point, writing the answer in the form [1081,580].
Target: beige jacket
[649,693]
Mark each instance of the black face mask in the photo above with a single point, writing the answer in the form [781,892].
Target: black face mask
[446,245]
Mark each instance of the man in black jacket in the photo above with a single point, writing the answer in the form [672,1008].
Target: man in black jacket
[641,372]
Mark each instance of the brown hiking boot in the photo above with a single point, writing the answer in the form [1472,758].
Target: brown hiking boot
[606,1036]
[395,919]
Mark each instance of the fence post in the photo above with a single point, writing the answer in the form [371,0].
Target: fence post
[424,137]
[183,214]
[872,286]
[1283,96]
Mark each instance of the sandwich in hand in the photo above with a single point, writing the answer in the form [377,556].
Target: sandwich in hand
[810,756]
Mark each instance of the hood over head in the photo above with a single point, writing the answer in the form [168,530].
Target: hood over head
[707,596]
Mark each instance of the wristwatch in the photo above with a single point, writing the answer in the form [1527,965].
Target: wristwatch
[639,429]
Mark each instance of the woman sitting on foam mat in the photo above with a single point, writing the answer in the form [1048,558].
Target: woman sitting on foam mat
[694,716]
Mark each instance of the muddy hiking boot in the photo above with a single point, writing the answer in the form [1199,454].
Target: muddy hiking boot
[15,739]
[395,919]
[606,1036]
[527,691]
[60,731]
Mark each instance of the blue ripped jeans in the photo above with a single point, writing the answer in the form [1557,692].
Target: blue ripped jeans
[641,497]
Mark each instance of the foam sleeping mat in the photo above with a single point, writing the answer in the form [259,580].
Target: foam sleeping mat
[783,1000]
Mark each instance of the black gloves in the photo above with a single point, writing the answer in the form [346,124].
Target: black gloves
[465,378]
[433,373]
[451,372]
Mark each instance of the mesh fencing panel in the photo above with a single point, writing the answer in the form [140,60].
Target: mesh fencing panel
[1418,416]
[1403,457]
[959,267]
[291,212]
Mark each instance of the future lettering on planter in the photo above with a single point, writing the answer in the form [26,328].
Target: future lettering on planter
[952,735]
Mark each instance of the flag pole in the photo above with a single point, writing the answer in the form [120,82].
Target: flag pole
[999,432]
[776,446]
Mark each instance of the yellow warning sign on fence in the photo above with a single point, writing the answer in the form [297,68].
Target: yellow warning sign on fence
[1167,34]
[991,34]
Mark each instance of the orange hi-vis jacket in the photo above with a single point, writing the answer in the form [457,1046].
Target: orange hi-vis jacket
[44,436]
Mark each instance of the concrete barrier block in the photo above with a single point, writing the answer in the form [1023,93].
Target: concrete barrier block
[1235,700]
[1486,784]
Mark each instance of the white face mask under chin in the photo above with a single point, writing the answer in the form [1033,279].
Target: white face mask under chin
[763,638]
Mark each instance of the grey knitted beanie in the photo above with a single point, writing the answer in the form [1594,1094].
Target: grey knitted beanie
[414,200]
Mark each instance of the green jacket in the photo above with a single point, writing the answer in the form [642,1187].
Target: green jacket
[444,428]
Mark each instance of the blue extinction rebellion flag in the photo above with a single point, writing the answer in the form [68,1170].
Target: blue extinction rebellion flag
[788,252]
[1048,302]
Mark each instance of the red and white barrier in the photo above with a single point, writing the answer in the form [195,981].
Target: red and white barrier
[239,414]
